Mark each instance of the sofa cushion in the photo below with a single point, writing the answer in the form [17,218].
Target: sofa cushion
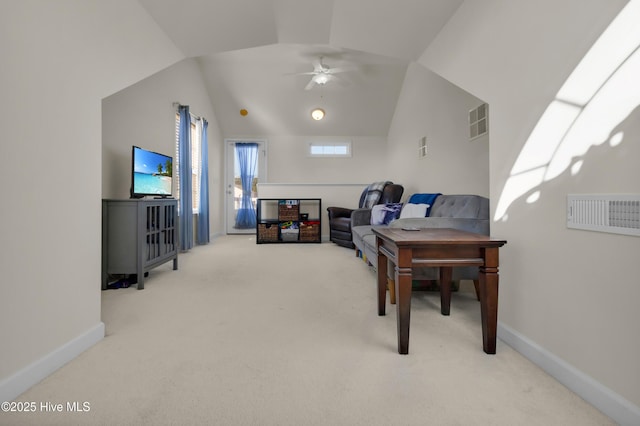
[461,206]
[365,242]
[359,233]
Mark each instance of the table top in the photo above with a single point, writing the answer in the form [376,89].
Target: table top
[401,237]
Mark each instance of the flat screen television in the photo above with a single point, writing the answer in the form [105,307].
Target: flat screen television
[151,173]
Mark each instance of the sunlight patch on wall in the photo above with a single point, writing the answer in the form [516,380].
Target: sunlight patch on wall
[600,93]
[616,44]
[616,139]
[546,136]
[533,197]
[575,169]
[516,186]
[609,106]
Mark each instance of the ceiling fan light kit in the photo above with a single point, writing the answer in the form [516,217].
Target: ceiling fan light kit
[321,78]
[321,74]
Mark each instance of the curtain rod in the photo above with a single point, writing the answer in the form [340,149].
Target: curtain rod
[177,105]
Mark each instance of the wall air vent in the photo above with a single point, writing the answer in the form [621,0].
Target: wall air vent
[613,213]
[478,121]
[422,147]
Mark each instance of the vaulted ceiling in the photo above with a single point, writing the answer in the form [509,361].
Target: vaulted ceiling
[250,51]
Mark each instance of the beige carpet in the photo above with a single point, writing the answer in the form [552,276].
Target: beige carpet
[246,334]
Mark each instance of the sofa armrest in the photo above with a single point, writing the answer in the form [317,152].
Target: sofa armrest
[478,226]
[335,212]
[360,217]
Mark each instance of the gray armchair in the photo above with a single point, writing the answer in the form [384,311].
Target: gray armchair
[340,217]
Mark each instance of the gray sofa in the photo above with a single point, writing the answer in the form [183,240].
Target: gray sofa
[464,212]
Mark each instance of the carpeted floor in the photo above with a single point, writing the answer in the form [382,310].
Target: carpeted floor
[247,334]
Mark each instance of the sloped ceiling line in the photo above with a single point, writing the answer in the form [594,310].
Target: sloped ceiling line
[245,49]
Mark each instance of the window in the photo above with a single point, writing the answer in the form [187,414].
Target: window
[196,143]
[329,149]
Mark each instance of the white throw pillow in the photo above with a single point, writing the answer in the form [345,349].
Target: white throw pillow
[414,210]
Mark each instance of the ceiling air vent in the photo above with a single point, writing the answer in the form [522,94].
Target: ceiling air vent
[613,213]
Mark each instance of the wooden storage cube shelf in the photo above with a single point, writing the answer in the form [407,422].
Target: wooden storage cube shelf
[288,220]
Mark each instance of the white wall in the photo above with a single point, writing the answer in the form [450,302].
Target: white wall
[143,114]
[571,295]
[289,163]
[431,106]
[58,60]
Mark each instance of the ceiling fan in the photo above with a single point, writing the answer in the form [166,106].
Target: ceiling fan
[322,74]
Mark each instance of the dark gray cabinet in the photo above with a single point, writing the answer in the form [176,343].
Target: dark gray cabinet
[137,236]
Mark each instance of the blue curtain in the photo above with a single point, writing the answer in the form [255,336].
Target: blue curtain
[185,205]
[247,160]
[202,236]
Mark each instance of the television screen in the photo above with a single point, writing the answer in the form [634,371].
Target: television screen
[151,173]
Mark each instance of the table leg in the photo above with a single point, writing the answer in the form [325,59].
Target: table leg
[392,290]
[489,299]
[382,280]
[445,289]
[403,299]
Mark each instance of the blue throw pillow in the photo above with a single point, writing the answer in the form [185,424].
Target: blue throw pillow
[384,214]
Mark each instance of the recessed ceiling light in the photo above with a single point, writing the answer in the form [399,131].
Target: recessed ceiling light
[317,114]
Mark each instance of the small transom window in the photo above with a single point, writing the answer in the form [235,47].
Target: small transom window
[329,149]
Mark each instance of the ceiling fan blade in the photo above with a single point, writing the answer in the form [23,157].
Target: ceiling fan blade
[317,67]
[310,85]
[340,81]
[342,69]
[304,73]
[336,70]
[300,73]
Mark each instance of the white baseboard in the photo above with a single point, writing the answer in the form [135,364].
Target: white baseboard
[604,399]
[13,386]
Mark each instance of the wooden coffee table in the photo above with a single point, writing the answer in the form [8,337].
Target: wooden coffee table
[443,248]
